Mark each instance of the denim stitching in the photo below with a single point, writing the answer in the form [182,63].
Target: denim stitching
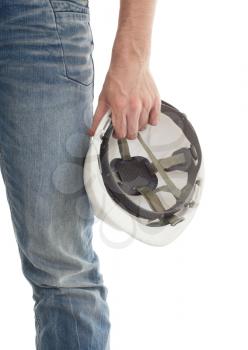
[58,36]
[74,320]
[66,69]
[55,320]
[38,331]
[7,185]
[61,6]
[62,47]
[93,65]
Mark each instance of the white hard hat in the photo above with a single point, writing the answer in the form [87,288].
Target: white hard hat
[149,187]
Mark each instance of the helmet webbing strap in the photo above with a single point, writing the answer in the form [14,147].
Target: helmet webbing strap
[151,195]
[166,163]
[155,203]
[152,198]
[171,161]
[124,149]
[173,189]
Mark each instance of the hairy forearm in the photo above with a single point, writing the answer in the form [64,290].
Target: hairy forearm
[133,37]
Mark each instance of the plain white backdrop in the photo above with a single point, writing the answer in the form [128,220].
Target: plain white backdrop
[191,294]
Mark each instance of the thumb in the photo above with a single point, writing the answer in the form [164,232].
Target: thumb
[101,110]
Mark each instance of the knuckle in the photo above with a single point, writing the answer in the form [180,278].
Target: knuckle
[119,103]
[134,104]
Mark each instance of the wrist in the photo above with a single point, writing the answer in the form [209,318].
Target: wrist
[129,50]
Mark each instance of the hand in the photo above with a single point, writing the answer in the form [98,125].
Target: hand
[131,94]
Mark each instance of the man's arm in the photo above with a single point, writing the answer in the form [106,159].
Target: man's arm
[133,38]
[129,89]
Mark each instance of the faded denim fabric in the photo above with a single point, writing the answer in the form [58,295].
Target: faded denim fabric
[46,95]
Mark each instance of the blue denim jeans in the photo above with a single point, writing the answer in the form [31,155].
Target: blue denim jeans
[46,95]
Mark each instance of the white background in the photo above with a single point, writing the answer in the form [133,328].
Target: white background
[193,293]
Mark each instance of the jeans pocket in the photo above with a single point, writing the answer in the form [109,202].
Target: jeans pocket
[77,44]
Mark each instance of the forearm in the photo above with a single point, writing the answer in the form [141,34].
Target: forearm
[129,89]
[133,37]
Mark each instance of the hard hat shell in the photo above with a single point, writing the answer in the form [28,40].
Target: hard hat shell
[128,182]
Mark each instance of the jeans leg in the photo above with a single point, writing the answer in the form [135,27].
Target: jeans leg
[46,107]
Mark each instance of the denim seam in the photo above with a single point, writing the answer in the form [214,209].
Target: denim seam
[2,165]
[66,69]
[38,331]
[74,320]
[58,36]
[7,185]
[55,322]
[62,49]
[93,64]
[61,6]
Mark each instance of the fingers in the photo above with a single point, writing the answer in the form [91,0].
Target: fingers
[154,112]
[133,117]
[143,120]
[119,122]
[101,110]
[128,121]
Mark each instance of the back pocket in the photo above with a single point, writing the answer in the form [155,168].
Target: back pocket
[77,45]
